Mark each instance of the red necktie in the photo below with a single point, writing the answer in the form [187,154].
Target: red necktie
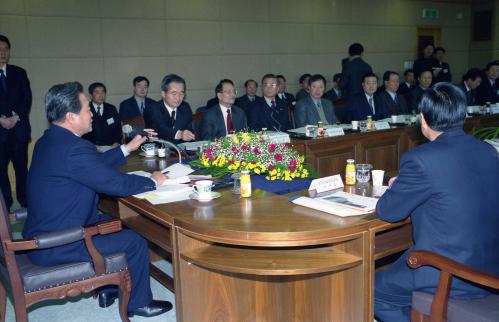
[230,129]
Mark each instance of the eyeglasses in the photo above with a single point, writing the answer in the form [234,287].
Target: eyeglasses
[230,91]
[176,94]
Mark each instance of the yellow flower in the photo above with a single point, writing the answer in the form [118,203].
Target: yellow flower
[257,171]
[235,139]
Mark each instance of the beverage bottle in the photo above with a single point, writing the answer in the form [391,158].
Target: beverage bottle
[370,123]
[245,184]
[350,172]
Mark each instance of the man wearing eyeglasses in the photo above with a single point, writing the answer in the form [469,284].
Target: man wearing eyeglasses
[268,112]
[171,117]
[225,118]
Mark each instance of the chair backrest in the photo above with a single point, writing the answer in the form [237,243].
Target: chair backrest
[196,122]
[7,257]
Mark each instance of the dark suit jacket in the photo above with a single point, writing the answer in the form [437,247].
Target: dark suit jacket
[302,93]
[65,176]
[260,115]
[212,101]
[405,90]
[289,98]
[213,125]
[486,93]
[444,75]
[106,129]
[129,109]
[449,188]
[332,95]
[470,95]
[243,102]
[358,108]
[415,98]
[157,117]
[306,112]
[352,74]
[390,106]
[17,100]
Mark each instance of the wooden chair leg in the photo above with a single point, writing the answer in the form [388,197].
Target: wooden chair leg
[3,303]
[124,291]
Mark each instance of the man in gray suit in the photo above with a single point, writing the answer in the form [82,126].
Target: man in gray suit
[223,118]
[314,108]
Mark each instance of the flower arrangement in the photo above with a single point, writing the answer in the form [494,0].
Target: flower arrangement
[254,152]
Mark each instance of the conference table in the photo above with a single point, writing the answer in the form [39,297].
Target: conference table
[264,258]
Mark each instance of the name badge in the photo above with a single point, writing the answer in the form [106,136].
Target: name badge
[326,183]
[110,121]
[335,131]
[381,125]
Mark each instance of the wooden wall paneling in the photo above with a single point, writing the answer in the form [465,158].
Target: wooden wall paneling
[328,158]
[382,152]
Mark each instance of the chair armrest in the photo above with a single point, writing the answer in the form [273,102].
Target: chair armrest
[20,214]
[48,240]
[101,228]
[422,258]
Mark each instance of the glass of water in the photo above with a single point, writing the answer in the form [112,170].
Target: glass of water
[363,172]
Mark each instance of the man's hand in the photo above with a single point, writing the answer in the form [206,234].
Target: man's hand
[150,133]
[159,177]
[391,181]
[8,122]
[187,135]
[135,143]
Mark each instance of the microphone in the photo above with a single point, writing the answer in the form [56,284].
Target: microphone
[129,131]
[167,143]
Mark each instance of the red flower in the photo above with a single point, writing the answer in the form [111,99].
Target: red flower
[292,163]
[270,167]
[256,151]
[278,157]
[292,168]
[234,149]
[271,147]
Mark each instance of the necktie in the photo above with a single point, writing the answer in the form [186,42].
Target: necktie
[322,115]
[99,110]
[3,80]
[173,118]
[142,108]
[371,104]
[272,104]
[230,129]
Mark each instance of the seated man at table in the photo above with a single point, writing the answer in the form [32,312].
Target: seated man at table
[224,118]
[269,111]
[391,101]
[64,180]
[106,124]
[424,82]
[449,189]
[171,117]
[314,108]
[488,91]
[360,106]
[471,80]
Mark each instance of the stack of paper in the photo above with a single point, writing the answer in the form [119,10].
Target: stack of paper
[278,137]
[339,203]
[170,191]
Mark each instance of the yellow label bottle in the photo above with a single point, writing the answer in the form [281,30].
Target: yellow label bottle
[245,184]
[370,125]
[350,172]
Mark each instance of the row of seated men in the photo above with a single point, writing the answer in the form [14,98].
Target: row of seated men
[276,109]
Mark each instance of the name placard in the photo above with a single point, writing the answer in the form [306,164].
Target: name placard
[335,131]
[381,125]
[326,183]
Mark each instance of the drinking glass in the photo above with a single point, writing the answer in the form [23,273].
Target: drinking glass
[363,173]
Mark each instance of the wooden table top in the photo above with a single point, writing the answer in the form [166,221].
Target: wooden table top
[263,219]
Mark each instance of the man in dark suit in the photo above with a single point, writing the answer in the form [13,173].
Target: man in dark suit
[441,70]
[471,80]
[354,71]
[134,106]
[225,118]
[390,101]
[268,112]
[15,130]
[65,177]
[304,91]
[406,87]
[171,117]
[244,101]
[424,82]
[488,91]
[449,188]
[286,97]
[106,124]
[315,108]
[335,93]
[360,106]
